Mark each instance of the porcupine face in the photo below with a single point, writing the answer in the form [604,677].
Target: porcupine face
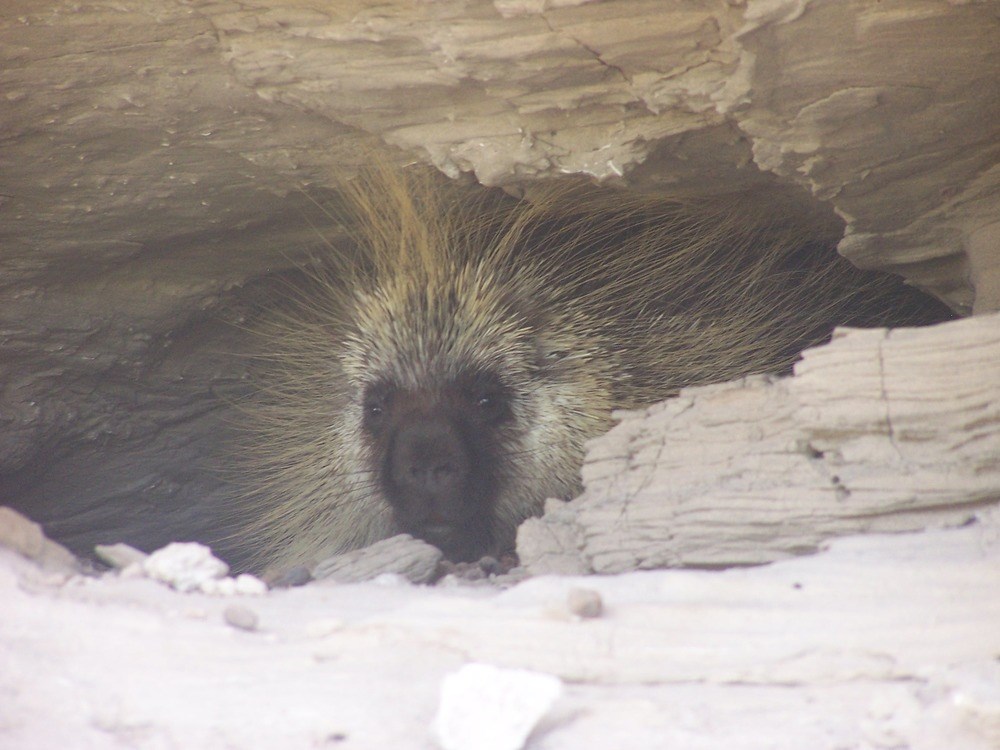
[438,452]
[469,403]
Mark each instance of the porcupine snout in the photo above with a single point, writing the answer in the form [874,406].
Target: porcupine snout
[435,469]
[428,469]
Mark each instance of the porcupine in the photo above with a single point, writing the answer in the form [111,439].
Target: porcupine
[441,377]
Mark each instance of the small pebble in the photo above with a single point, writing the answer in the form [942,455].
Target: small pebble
[483,568]
[300,575]
[119,556]
[465,571]
[490,565]
[240,617]
[584,603]
[508,562]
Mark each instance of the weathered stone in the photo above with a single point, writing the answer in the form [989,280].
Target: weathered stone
[402,555]
[240,617]
[877,431]
[27,538]
[119,556]
[584,602]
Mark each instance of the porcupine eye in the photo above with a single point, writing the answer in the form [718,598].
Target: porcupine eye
[490,400]
[375,404]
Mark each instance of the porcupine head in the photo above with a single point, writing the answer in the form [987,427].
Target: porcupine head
[441,385]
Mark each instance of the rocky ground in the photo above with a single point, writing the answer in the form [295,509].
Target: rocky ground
[883,641]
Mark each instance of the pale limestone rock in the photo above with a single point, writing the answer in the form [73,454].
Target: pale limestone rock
[584,602]
[120,556]
[26,537]
[489,708]
[184,566]
[876,431]
[191,567]
[402,555]
[240,617]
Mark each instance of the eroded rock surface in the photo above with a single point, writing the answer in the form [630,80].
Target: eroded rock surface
[876,431]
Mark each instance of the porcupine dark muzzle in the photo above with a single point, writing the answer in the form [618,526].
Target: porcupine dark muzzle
[434,487]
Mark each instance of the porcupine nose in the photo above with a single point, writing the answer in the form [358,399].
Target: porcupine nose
[429,466]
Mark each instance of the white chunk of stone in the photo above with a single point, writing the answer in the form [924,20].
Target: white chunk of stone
[187,566]
[484,707]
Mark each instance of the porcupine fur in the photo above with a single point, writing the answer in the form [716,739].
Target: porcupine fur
[441,376]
